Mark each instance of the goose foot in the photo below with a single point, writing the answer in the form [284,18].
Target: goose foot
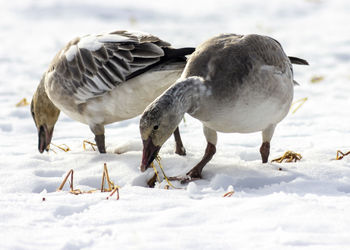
[196,172]
[180,150]
[183,179]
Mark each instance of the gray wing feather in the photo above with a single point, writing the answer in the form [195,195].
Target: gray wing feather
[236,56]
[126,47]
[147,50]
[88,60]
[123,54]
[99,63]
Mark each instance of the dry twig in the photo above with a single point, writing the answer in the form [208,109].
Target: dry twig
[70,173]
[111,186]
[22,103]
[341,155]
[229,194]
[301,103]
[152,180]
[316,79]
[288,156]
[105,176]
[93,145]
[72,190]
[63,147]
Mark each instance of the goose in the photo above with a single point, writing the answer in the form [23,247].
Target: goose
[232,84]
[105,78]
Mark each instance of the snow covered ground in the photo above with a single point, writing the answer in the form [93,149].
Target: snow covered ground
[304,206]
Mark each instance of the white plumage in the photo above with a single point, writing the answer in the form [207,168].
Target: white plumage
[232,84]
[105,78]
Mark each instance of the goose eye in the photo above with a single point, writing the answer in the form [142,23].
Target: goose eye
[155,127]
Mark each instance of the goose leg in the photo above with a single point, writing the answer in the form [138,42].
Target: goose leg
[100,142]
[196,172]
[180,149]
[99,131]
[265,146]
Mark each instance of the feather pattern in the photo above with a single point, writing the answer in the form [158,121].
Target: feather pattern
[95,64]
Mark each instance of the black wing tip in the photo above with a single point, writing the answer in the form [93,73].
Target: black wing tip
[173,53]
[297,60]
[187,50]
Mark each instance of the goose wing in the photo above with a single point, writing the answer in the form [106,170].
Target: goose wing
[297,60]
[94,64]
[271,53]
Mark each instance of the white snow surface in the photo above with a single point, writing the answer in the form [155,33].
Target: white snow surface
[304,206]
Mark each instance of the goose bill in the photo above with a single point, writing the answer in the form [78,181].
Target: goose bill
[150,151]
[45,137]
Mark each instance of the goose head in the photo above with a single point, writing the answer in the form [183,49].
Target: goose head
[158,122]
[45,115]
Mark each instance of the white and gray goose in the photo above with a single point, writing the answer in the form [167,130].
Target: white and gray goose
[105,78]
[232,84]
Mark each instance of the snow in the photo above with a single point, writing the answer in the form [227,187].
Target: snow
[303,206]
